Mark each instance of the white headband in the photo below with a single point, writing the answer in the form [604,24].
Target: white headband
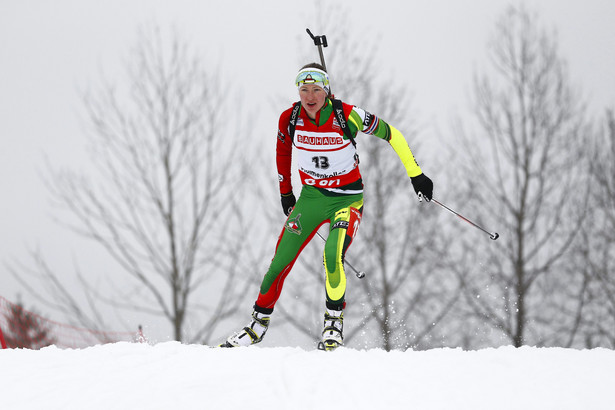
[313,76]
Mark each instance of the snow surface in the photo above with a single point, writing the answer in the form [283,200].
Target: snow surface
[175,376]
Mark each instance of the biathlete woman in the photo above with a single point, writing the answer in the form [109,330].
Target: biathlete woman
[322,130]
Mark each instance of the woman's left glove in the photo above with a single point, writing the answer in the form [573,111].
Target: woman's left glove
[288,202]
[423,185]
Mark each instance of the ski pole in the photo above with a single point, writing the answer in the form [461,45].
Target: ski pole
[320,42]
[359,274]
[493,235]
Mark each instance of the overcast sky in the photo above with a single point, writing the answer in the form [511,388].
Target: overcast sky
[50,50]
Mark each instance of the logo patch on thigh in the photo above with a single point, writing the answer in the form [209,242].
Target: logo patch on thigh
[294,225]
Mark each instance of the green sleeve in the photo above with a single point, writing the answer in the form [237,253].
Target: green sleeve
[360,120]
[367,123]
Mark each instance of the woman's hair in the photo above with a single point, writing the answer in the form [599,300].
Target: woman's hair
[313,65]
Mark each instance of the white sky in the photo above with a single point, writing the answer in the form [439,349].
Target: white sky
[50,50]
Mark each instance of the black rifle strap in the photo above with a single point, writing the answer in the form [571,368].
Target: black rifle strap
[293,121]
[338,110]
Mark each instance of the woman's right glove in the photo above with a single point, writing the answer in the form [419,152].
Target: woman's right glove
[423,185]
[288,202]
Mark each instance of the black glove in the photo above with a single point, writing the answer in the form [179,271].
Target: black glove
[423,185]
[288,202]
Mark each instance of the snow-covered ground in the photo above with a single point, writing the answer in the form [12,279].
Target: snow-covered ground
[175,376]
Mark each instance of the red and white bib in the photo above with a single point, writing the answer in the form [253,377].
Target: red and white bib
[324,158]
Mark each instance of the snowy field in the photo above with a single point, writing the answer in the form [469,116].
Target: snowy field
[175,376]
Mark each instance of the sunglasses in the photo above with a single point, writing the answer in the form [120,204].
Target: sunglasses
[312,77]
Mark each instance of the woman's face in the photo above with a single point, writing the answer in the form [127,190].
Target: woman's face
[312,99]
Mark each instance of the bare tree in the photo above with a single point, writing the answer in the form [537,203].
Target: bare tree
[596,323]
[525,170]
[160,204]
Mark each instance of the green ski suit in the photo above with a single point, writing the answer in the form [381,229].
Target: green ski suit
[332,193]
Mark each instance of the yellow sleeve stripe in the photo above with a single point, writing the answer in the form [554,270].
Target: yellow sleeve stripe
[355,120]
[399,144]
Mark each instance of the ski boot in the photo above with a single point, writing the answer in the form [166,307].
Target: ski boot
[251,334]
[332,336]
